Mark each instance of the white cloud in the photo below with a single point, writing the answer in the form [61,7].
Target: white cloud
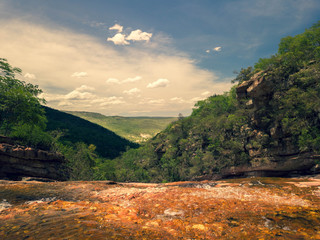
[162,82]
[78,95]
[156,101]
[138,35]
[195,99]
[117,27]
[79,74]
[132,91]
[30,76]
[85,88]
[217,49]
[127,80]
[118,39]
[206,93]
[208,51]
[111,101]
[65,104]
[177,100]
[112,80]
[134,79]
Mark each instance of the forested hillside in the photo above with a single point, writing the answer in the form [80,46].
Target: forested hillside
[75,129]
[268,123]
[135,129]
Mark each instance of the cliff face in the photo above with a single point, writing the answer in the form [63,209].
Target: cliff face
[282,154]
[18,162]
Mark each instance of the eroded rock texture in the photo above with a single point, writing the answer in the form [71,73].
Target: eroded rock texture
[17,162]
[256,208]
[272,149]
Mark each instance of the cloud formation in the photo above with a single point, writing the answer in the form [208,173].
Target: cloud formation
[30,76]
[117,27]
[129,82]
[123,39]
[118,39]
[132,91]
[113,80]
[80,93]
[79,74]
[138,35]
[216,49]
[134,79]
[162,82]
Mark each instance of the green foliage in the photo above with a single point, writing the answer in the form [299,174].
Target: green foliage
[296,52]
[244,75]
[32,136]
[19,101]
[81,160]
[216,105]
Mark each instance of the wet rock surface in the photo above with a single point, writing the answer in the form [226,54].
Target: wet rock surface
[253,208]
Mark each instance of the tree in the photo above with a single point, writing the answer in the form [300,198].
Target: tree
[19,101]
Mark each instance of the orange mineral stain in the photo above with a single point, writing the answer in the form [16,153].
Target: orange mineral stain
[258,208]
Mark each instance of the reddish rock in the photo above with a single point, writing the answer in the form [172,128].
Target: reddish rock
[256,208]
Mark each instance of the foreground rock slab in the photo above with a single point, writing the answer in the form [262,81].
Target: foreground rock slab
[255,208]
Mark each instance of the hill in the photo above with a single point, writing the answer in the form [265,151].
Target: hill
[267,125]
[108,144]
[136,129]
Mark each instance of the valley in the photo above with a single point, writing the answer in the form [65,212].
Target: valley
[135,129]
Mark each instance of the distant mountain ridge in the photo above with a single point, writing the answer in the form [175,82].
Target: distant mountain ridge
[108,143]
[136,129]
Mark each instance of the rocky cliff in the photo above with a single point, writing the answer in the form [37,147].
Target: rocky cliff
[19,161]
[282,154]
[267,125]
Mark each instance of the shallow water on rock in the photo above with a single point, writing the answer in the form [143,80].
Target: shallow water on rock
[259,208]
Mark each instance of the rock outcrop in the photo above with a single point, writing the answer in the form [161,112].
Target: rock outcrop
[19,161]
[281,158]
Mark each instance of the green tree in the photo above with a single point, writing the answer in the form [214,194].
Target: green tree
[19,101]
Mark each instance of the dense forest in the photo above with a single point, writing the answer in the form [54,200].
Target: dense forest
[223,131]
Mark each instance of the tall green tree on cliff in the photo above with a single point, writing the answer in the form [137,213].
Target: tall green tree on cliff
[19,101]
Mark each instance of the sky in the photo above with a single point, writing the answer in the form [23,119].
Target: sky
[142,57]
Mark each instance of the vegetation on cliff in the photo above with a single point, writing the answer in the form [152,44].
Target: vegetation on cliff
[274,111]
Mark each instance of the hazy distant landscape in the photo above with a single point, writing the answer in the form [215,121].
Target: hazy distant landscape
[135,129]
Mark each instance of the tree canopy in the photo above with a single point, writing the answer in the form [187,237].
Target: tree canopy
[19,101]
